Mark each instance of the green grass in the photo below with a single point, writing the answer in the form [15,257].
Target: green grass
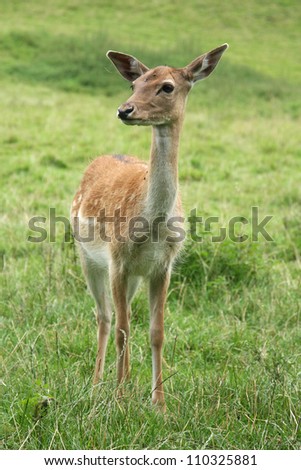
[232,349]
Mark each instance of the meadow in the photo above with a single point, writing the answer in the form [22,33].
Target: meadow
[232,355]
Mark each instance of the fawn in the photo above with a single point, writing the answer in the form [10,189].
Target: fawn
[130,204]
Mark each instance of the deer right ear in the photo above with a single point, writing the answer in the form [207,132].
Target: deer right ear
[128,66]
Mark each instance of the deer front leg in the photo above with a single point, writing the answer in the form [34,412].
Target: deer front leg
[157,294]
[119,291]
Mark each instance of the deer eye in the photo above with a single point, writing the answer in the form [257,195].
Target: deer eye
[168,88]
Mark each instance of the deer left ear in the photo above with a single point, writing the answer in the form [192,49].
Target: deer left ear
[128,66]
[204,65]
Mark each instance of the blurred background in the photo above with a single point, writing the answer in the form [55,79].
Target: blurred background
[232,354]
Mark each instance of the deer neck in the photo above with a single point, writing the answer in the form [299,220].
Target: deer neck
[163,170]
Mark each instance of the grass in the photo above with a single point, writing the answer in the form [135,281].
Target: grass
[232,350]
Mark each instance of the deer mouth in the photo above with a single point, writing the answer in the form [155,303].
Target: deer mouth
[135,122]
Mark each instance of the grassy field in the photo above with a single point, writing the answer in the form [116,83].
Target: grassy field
[233,340]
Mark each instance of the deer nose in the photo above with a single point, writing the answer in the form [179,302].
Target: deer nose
[125,110]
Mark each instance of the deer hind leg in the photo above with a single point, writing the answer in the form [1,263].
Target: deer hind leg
[157,295]
[97,280]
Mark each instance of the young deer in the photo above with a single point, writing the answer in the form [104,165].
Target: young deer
[130,205]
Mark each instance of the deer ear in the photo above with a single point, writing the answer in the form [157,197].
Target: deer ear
[204,65]
[128,66]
